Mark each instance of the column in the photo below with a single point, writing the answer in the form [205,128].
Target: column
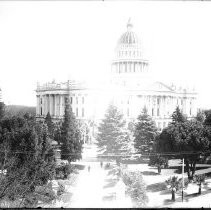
[50,105]
[45,104]
[60,106]
[55,105]
[38,106]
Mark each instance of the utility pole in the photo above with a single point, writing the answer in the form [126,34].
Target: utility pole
[182,178]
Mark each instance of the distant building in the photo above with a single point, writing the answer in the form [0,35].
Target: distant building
[130,88]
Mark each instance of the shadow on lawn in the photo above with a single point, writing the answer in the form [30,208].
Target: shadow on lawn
[165,192]
[156,187]
[149,173]
[178,169]
[110,183]
[110,197]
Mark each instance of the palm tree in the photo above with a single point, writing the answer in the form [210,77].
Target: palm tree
[199,179]
[174,184]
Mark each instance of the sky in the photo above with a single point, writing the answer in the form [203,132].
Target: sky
[43,41]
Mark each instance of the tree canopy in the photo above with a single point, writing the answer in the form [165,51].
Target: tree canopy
[2,110]
[145,132]
[112,136]
[71,141]
[26,155]
[178,116]
[50,125]
[187,139]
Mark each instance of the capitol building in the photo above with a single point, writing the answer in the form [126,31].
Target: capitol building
[130,88]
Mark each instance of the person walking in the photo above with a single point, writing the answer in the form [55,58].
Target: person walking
[89,168]
[101,164]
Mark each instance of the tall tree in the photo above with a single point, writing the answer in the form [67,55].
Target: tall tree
[2,110]
[207,120]
[27,156]
[112,136]
[178,116]
[145,132]
[200,116]
[49,123]
[71,147]
[187,140]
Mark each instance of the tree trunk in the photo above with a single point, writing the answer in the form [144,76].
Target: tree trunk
[187,168]
[159,169]
[173,195]
[193,168]
[200,189]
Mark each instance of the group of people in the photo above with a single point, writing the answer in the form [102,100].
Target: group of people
[101,165]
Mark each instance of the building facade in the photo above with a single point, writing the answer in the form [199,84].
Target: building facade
[130,88]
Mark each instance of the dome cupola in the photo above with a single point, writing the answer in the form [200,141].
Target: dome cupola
[128,45]
[128,62]
[129,37]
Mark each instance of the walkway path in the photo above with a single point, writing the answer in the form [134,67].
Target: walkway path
[95,188]
[89,190]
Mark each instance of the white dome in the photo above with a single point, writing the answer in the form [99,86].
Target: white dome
[128,45]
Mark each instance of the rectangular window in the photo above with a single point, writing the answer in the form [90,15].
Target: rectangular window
[152,112]
[76,100]
[190,112]
[76,112]
[71,100]
[158,101]
[82,100]
[41,101]
[82,112]
[158,112]
[128,112]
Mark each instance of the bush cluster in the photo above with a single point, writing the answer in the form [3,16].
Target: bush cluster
[63,171]
[135,187]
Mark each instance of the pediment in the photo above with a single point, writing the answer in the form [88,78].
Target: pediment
[159,86]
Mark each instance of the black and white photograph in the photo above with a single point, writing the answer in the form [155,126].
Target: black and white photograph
[105,104]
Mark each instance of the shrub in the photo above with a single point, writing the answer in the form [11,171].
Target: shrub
[61,189]
[44,194]
[135,187]
[174,184]
[199,180]
[63,171]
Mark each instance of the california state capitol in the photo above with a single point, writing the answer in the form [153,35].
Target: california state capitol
[129,88]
